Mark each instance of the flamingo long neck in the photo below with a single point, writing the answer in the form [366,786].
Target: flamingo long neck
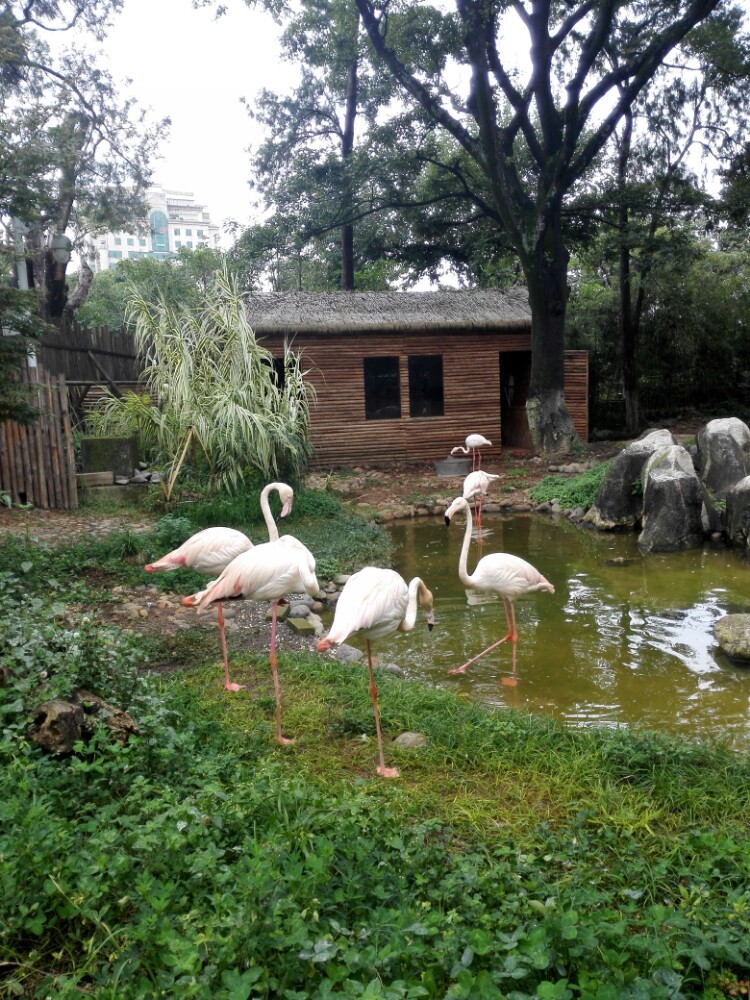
[463,573]
[416,589]
[273,531]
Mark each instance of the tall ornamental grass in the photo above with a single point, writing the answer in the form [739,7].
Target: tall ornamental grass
[216,390]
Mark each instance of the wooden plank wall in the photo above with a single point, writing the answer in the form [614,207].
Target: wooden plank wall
[37,463]
[71,350]
[577,390]
[471,375]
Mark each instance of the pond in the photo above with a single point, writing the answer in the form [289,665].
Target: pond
[626,640]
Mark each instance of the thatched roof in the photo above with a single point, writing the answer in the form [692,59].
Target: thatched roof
[345,312]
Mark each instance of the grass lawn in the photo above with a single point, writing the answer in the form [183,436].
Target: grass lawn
[514,857]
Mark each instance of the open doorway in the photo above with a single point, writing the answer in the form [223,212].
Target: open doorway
[515,373]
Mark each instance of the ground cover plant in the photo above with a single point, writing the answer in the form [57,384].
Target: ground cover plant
[514,858]
[571,491]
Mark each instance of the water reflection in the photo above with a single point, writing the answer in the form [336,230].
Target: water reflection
[626,640]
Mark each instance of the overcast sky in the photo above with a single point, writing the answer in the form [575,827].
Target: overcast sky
[186,64]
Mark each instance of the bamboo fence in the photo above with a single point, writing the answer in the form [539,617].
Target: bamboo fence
[37,463]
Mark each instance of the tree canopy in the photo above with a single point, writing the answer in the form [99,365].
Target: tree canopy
[75,153]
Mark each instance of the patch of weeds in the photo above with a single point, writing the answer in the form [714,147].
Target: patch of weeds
[571,491]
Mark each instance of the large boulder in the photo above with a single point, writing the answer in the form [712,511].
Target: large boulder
[619,500]
[723,454]
[672,502]
[738,514]
[733,635]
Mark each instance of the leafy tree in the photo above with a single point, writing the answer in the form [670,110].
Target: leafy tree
[311,168]
[74,154]
[216,386]
[179,281]
[19,333]
[695,108]
[533,140]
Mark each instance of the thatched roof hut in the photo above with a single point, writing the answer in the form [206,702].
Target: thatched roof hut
[405,376]
[349,312]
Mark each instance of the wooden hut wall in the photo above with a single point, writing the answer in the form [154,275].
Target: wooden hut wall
[342,435]
[577,390]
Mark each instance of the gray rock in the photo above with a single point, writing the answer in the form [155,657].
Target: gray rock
[348,654]
[723,454]
[301,626]
[618,504]
[298,610]
[738,514]
[412,741]
[733,635]
[672,503]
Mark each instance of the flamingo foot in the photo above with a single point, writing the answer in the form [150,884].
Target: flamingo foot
[231,686]
[283,741]
[389,772]
[459,670]
[509,681]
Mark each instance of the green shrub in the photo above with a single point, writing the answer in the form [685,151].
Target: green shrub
[571,491]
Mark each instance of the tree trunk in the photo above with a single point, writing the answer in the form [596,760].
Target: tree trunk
[550,424]
[629,322]
[347,146]
[80,293]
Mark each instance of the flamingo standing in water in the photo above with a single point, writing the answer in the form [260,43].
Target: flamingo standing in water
[476,486]
[474,444]
[211,550]
[375,603]
[507,575]
[266,572]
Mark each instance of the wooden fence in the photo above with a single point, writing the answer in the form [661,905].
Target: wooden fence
[37,463]
[94,355]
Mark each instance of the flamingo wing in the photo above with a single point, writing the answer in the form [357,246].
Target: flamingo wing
[207,551]
[508,575]
[373,603]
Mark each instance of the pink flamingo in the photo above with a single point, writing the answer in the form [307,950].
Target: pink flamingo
[476,486]
[507,575]
[266,572]
[375,603]
[211,550]
[474,444]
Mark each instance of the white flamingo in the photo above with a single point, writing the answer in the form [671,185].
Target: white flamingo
[507,575]
[476,487]
[474,444]
[211,550]
[375,603]
[266,572]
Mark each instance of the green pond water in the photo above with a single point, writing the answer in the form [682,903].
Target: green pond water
[626,640]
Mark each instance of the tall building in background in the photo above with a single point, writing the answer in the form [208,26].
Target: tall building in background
[174,220]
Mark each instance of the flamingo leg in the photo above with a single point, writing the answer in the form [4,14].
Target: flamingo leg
[512,634]
[460,670]
[282,740]
[228,685]
[478,516]
[383,771]
[511,681]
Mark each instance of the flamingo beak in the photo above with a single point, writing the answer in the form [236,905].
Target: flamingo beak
[286,509]
[430,621]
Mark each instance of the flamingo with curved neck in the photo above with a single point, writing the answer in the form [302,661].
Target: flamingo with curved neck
[474,444]
[286,495]
[502,573]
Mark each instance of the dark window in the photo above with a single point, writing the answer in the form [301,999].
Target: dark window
[426,385]
[278,368]
[382,390]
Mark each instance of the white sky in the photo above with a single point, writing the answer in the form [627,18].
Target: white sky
[186,64]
